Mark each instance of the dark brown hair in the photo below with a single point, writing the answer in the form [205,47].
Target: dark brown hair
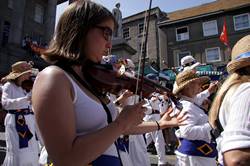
[73,26]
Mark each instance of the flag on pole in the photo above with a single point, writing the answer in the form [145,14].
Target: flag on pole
[223,35]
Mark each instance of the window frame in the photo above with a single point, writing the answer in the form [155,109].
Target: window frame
[203,28]
[127,32]
[139,33]
[234,18]
[10,4]
[39,17]
[206,51]
[5,34]
[176,35]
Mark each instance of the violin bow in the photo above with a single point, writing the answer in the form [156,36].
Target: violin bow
[144,48]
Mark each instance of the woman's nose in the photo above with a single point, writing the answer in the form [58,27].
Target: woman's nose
[109,45]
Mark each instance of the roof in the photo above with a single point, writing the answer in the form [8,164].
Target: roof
[213,7]
[141,15]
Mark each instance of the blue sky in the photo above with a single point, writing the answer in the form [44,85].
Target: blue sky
[130,7]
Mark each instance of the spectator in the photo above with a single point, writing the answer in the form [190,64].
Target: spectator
[189,63]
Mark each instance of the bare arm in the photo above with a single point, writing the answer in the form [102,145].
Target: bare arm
[54,112]
[144,127]
[165,122]
[240,157]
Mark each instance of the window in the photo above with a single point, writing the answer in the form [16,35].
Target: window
[181,55]
[213,54]
[210,28]
[125,33]
[6,33]
[10,4]
[182,33]
[39,13]
[241,21]
[140,28]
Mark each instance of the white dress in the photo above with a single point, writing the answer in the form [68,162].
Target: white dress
[234,116]
[14,97]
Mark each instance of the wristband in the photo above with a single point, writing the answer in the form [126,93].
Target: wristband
[158,126]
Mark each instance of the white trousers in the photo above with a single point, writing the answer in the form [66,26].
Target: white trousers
[159,143]
[186,160]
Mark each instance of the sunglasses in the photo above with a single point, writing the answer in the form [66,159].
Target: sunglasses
[190,63]
[107,32]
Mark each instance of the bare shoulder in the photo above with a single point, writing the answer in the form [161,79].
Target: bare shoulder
[51,85]
[51,72]
[51,77]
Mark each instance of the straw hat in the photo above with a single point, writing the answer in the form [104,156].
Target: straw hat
[18,69]
[240,56]
[185,78]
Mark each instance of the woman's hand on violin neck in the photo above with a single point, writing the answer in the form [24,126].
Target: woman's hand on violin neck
[172,121]
[131,115]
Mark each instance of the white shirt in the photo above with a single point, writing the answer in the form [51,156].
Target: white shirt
[234,116]
[14,97]
[197,127]
[201,97]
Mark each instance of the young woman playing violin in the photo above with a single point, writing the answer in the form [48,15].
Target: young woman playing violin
[76,126]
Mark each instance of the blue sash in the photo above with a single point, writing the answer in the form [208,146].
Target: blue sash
[197,148]
[122,144]
[106,160]
[22,129]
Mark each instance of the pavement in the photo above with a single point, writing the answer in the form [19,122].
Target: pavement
[170,159]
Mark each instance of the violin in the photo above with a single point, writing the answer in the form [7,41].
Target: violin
[103,78]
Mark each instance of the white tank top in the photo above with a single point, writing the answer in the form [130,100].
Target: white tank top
[90,115]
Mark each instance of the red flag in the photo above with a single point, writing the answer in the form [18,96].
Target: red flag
[223,35]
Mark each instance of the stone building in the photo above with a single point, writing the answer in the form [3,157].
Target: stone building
[24,19]
[133,33]
[197,30]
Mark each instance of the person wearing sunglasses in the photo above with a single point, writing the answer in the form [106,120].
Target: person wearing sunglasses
[76,123]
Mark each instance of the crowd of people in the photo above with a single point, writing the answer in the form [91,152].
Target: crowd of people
[67,116]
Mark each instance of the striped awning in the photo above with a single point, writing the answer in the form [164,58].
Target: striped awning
[209,73]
